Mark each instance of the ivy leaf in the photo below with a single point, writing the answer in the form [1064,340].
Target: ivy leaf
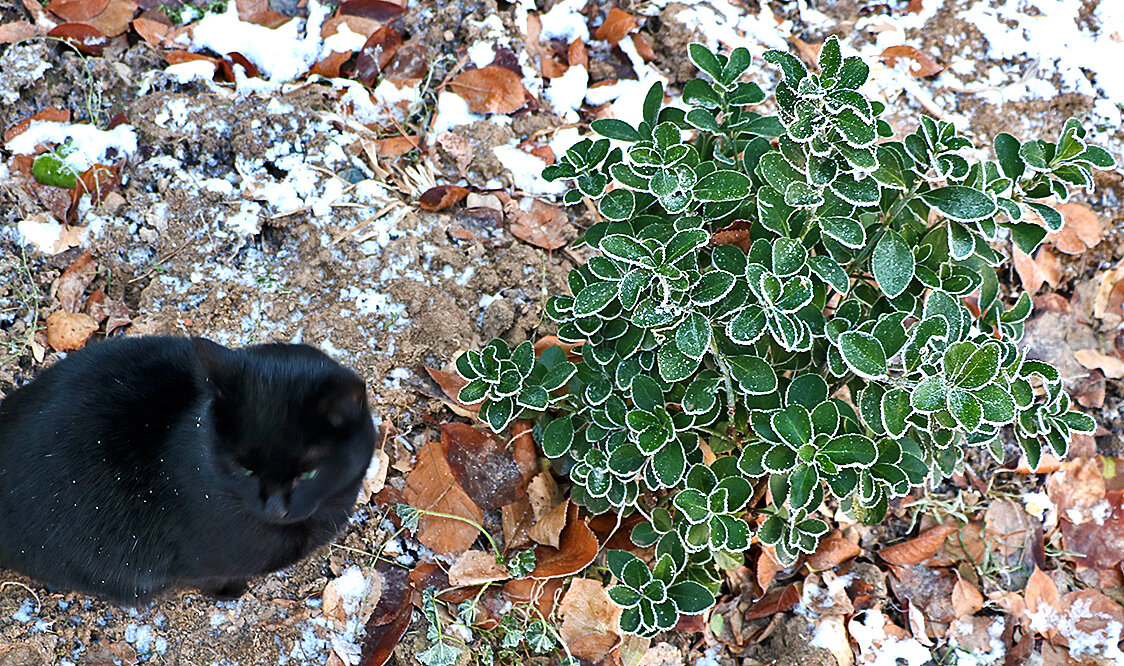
[863,354]
[892,264]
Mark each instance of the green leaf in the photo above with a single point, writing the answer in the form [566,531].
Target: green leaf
[979,367]
[747,325]
[801,484]
[703,120]
[690,597]
[753,374]
[626,249]
[50,169]
[693,335]
[706,61]
[793,69]
[693,505]
[997,403]
[594,298]
[862,193]
[615,129]
[863,354]
[674,365]
[802,195]
[850,450]
[723,185]
[473,392]
[712,287]
[789,256]
[965,408]
[683,243]
[652,103]
[669,464]
[1007,151]
[618,205]
[895,410]
[558,437]
[830,272]
[892,264]
[646,394]
[853,73]
[846,231]
[961,203]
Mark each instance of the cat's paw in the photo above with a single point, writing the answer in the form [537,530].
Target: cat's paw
[228,591]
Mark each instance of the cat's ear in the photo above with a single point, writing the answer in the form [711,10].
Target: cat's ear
[217,366]
[343,402]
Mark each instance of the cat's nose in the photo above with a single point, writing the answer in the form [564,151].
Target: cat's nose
[275,508]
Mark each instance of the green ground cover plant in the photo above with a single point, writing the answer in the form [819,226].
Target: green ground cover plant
[791,290]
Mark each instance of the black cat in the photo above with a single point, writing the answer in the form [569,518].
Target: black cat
[144,464]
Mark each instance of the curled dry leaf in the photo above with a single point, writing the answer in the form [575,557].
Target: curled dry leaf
[375,478]
[1043,268]
[431,486]
[1090,391]
[375,10]
[538,223]
[642,47]
[590,620]
[73,282]
[259,12]
[78,10]
[329,66]
[1082,229]
[576,550]
[548,341]
[116,17]
[86,38]
[577,55]
[966,599]
[737,233]
[543,594]
[451,384]
[442,197]
[491,89]
[395,146]
[833,551]
[68,331]
[376,54]
[153,31]
[777,601]
[475,567]
[1112,367]
[927,589]
[617,25]
[390,617]
[922,64]
[919,548]
[767,567]
[352,595]
[1015,536]
[357,24]
[16,31]
[1110,295]
[517,519]
[50,113]
[548,508]
[482,465]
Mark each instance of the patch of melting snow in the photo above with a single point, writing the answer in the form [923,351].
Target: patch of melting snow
[89,144]
[192,70]
[24,613]
[726,25]
[880,649]
[280,54]
[452,111]
[1103,643]
[996,649]
[526,170]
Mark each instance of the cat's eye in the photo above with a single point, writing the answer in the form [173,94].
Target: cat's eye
[245,472]
[309,475]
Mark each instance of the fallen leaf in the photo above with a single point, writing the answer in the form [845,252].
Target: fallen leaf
[70,286]
[1052,302]
[642,47]
[767,567]
[68,331]
[1112,367]
[78,10]
[1043,268]
[16,31]
[442,197]
[542,594]
[777,601]
[357,24]
[411,62]
[390,618]
[375,478]
[548,341]
[432,486]
[809,51]
[833,551]
[922,64]
[396,146]
[548,508]
[1041,590]
[259,12]
[376,54]
[482,465]
[97,182]
[538,223]
[116,18]
[351,595]
[737,233]
[1015,536]
[329,66]
[475,567]
[50,113]
[376,10]
[576,55]
[1110,295]
[1082,229]
[919,548]
[966,599]
[927,589]
[490,89]
[86,38]
[450,384]
[152,31]
[590,620]
[1090,391]
[616,26]
[576,550]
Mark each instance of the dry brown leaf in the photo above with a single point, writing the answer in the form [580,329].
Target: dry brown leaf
[451,384]
[737,233]
[918,549]
[922,64]
[576,550]
[50,113]
[590,620]
[16,31]
[70,286]
[1041,590]
[548,341]
[1082,229]
[1013,533]
[475,567]
[152,31]
[543,594]
[548,508]
[482,465]
[84,37]
[376,54]
[966,599]
[540,224]
[329,66]
[767,567]
[642,47]
[432,486]
[1112,367]
[616,26]
[78,10]
[833,551]
[809,51]
[339,607]
[375,10]
[491,89]
[1043,268]
[576,55]
[1110,295]
[777,601]
[1090,391]
[442,197]
[69,331]
[927,589]
[396,146]
[357,24]
[116,18]
[259,12]
[523,449]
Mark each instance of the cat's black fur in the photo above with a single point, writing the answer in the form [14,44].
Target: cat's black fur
[144,464]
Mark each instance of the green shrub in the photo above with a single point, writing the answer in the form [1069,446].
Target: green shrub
[829,351]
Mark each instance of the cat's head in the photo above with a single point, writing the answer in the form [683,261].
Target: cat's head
[293,427]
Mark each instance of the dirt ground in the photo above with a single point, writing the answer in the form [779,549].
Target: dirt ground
[192,247]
